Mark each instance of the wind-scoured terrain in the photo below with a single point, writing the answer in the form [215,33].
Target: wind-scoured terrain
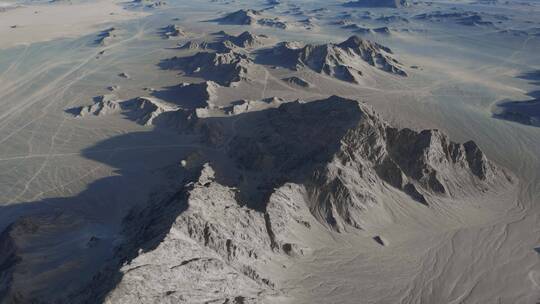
[269,151]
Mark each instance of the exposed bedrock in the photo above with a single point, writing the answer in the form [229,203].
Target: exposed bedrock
[226,68]
[342,152]
[259,176]
[347,61]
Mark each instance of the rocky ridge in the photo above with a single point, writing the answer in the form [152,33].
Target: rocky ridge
[233,59]
[299,167]
[344,61]
[258,18]
[146,111]
[172,31]
[225,42]
[260,173]
[225,68]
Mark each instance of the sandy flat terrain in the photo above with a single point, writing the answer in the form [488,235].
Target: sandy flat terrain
[35,23]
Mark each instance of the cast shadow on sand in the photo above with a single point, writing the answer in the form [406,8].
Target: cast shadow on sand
[68,240]
[526,112]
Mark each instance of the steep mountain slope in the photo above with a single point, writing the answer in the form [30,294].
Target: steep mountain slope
[283,172]
[347,61]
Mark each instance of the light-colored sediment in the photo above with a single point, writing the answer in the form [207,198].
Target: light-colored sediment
[36,23]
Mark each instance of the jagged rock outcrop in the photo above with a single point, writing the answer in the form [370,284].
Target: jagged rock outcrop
[344,160]
[345,61]
[254,17]
[298,82]
[247,40]
[244,106]
[172,31]
[143,110]
[192,45]
[104,104]
[209,239]
[202,235]
[221,46]
[373,53]
[274,22]
[241,17]
[226,42]
[226,68]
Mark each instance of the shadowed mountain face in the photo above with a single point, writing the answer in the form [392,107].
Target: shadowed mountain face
[252,179]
